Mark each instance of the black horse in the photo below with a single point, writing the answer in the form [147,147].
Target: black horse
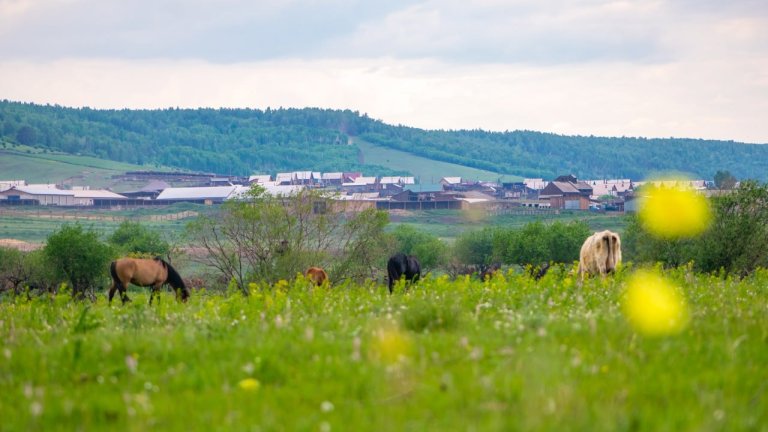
[400,265]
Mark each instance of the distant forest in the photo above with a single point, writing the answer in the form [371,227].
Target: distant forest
[245,141]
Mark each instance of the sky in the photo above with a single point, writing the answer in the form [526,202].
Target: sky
[652,68]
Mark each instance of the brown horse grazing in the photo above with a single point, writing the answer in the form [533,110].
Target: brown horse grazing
[317,275]
[145,272]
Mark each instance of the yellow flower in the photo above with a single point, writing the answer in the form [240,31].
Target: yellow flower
[653,306]
[390,345]
[249,384]
[675,211]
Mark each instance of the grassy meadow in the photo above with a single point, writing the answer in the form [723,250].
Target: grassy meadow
[510,353]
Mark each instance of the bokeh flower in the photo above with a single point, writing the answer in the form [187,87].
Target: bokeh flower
[653,305]
[672,209]
[249,384]
[389,344]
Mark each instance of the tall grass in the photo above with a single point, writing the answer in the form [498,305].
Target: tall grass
[506,354]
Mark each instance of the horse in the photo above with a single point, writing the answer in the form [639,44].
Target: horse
[401,265]
[144,272]
[539,272]
[600,254]
[317,275]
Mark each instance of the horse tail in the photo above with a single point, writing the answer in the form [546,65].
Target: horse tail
[113,273]
[175,280]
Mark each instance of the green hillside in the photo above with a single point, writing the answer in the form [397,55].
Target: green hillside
[427,170]
[244,141]
[37,166]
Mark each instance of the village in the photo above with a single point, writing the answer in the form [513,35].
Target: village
[385,193]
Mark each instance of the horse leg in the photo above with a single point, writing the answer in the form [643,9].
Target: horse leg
[123,291]
[155,289]
[112,290]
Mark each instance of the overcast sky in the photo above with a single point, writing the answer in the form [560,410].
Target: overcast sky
[682,68]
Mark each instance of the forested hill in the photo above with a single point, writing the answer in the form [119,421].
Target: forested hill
[244,141]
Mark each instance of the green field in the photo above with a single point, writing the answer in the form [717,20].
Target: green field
[427,170]
[448,224]
[508,354]
[35,224]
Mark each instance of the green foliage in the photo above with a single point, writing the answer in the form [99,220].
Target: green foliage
[79,257]
[430,250]
[737,241]
[724,180]
[134,238]
[533,244]
[240,141]
[506,354]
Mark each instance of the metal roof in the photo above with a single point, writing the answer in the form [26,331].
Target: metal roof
[197,193]
[97,193]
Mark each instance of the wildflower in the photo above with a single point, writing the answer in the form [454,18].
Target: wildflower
[677,211]
[653,306]
[390,345]
[249,384]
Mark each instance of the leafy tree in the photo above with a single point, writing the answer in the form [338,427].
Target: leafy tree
[737,241]
[725,180]
[266,238]
[134,238]
[428,248]
[475,247]
[79,257]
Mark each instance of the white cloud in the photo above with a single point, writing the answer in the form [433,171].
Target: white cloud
[603,67]
[655,100]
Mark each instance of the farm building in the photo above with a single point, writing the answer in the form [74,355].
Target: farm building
[567,195]
[49,194]
[260,178]
[203,195]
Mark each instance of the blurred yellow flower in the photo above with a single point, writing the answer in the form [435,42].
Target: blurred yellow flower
[390,345]
[249,384]
[675,211]
[653,306]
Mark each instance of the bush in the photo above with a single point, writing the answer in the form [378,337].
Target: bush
[428,248]
[134,238]
[79,257]
[736,242]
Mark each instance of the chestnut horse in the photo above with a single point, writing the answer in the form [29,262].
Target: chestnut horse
[143,272]
[317,275]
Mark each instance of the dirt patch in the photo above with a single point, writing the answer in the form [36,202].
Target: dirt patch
[20,245]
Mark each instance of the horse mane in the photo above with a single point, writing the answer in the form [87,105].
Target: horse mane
[174,278]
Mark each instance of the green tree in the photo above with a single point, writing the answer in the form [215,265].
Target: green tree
[725,180]
[266,238]
[428,248]
[79,257]
[134,238]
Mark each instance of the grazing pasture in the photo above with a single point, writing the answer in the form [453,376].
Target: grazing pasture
[509,353]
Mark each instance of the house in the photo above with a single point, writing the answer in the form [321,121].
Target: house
[567,193]
[614,188]
[284,178]
[259,178]
[269,188]
[535,183]
[332,179]
[450,182]
[360,184]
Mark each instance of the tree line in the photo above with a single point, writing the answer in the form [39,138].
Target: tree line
[243,141]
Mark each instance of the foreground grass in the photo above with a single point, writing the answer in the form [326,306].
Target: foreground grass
[506,354]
